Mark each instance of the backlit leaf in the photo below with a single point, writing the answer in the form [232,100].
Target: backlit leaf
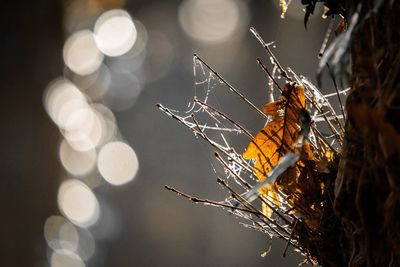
[276,139]
[283,6]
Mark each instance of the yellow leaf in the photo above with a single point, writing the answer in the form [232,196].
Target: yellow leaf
[278,138]
[283,6]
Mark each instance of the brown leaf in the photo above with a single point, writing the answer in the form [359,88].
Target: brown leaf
[277,138]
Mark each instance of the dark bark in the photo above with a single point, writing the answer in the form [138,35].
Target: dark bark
[367,190]
[31,41]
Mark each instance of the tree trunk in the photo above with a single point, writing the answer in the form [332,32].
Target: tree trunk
[31,41]
[367,189]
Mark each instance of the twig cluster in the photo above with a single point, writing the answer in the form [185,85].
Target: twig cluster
[297,218]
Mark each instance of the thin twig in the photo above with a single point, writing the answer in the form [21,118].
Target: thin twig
[337,90]
[290,237]
[224,116]
[265,45]
[268,73]
[247,204]
[250,187]
[326,38]
[232,88]
[206,201]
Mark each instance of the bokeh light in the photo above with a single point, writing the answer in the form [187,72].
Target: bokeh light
[83,129]
[117,163]
[133,60]
[110,57]
[76,162]
[123,92]
[68,237]
[78,203]
[69,109]
[65,258]
[212,21]
[109,127]
[51,230]
[110,225]
[60,233]
[94,85]
[87,245]
[86,124]
[115,32]
[81,54]
[61,98]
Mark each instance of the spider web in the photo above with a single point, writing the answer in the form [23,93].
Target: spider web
[206,119]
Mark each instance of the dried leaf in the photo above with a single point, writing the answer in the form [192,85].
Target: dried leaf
[341,27]
[326,10]
[278,138]
[283,5]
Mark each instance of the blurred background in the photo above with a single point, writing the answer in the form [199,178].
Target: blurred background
[85,152]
